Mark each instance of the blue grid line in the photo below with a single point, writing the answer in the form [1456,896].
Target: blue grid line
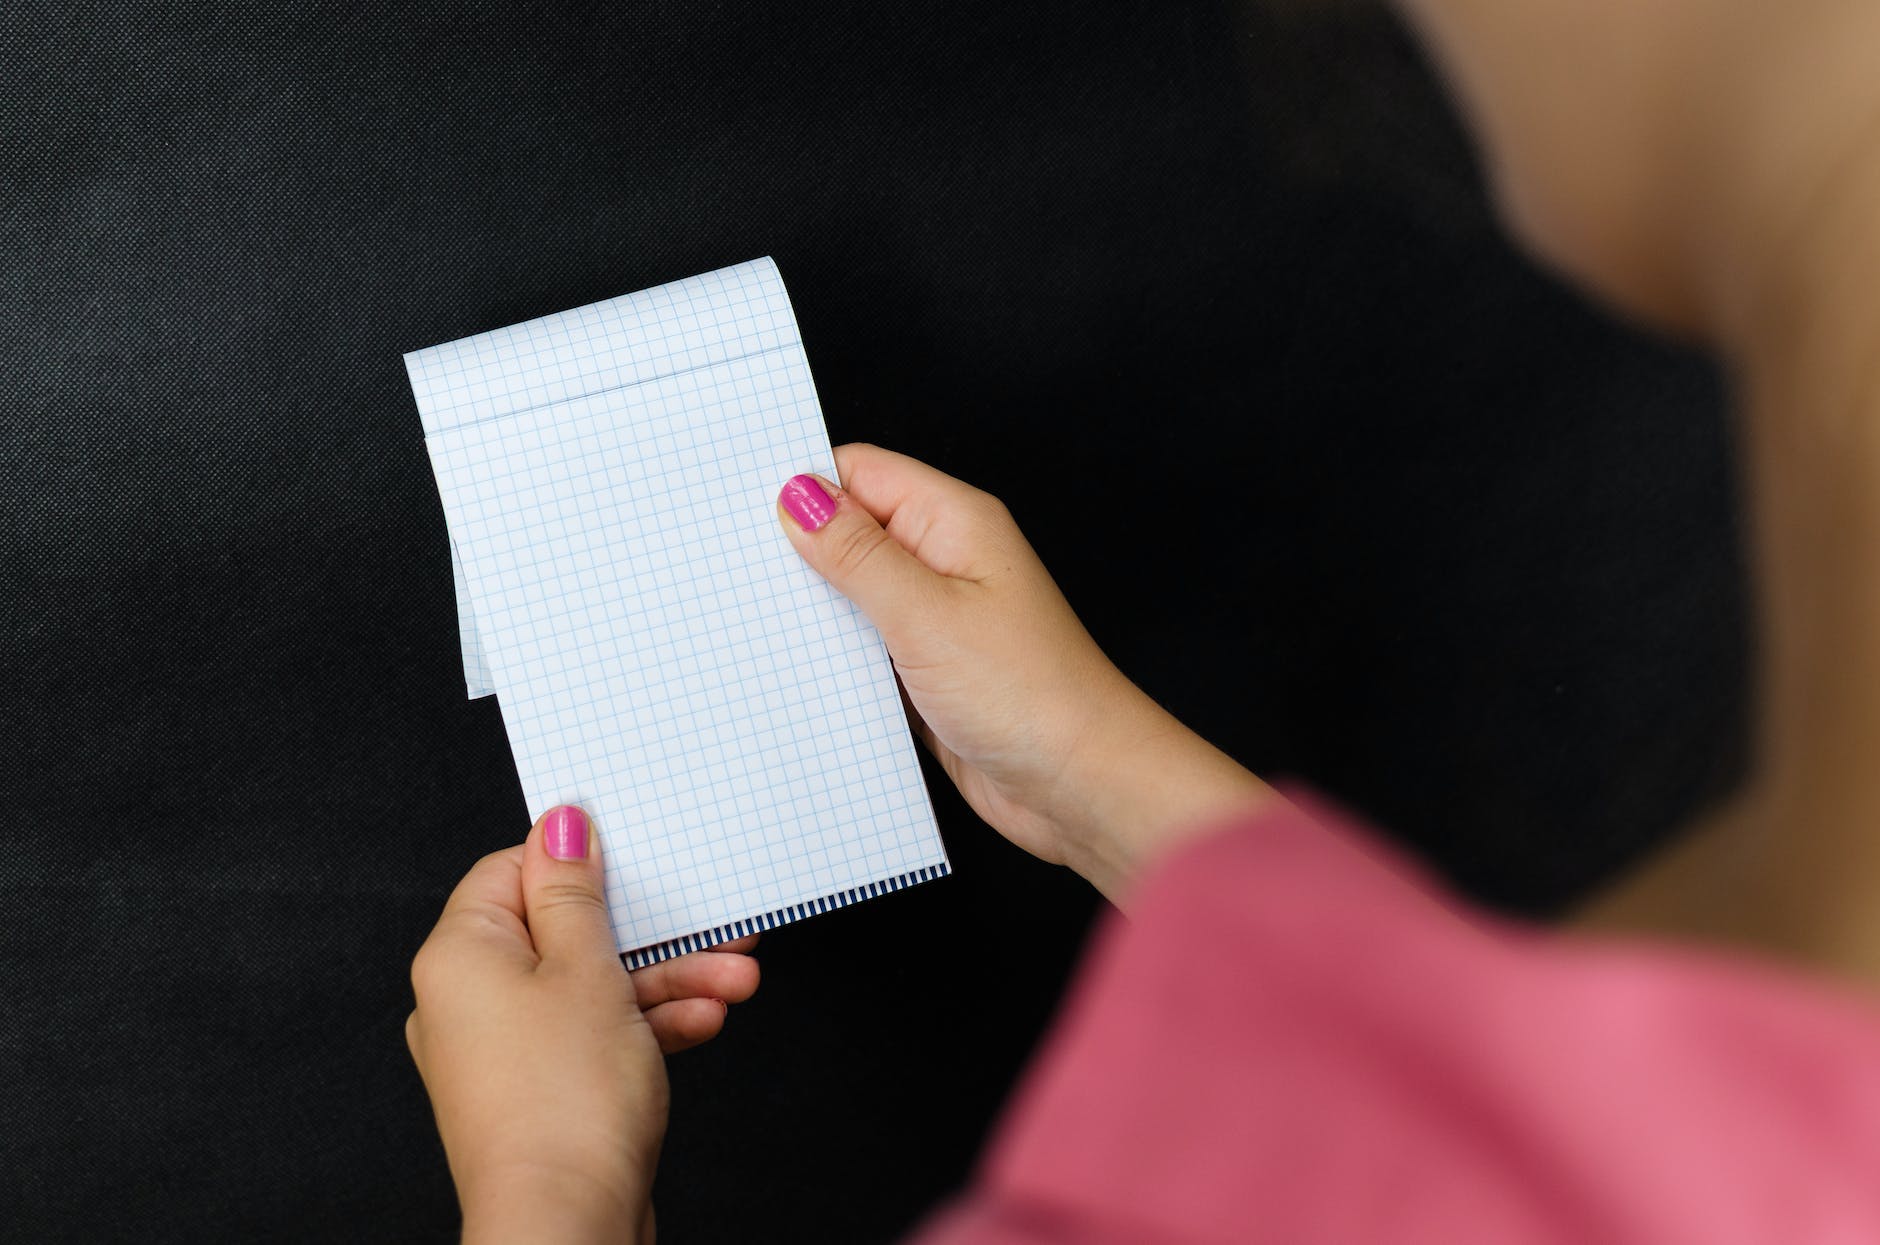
[661,655]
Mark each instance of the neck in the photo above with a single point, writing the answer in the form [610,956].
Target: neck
[1792,864]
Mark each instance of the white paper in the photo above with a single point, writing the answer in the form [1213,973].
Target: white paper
[660,653]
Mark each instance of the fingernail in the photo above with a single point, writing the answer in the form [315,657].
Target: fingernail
[723,1006]
[808,502]
[564,833]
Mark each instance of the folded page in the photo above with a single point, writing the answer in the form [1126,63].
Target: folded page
[660,654]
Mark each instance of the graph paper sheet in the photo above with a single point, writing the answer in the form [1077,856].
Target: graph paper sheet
[660,654]
[476,670]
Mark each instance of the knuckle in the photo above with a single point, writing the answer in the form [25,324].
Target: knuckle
[992,533]
[576,896]
[492,860]
[426,969]
[442,956]
[854,546]
[992,513]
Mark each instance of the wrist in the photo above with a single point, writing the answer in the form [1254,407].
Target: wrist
[1141,783]
[530,1203]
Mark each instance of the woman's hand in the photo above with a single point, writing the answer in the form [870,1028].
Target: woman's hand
[1041,733]
[542,1055]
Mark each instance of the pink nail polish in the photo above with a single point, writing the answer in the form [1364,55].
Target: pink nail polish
[564,833]
[808,502]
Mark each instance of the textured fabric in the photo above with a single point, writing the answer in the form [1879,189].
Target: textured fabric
[1429,530]
[1298,1039]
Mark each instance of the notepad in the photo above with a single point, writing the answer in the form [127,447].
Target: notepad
[660,654]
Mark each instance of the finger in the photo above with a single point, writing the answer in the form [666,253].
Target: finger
[739,946]
[563,890]
[944,522]
[684,1023]
[494,882]
[702,974]
[484,916]
[838,537]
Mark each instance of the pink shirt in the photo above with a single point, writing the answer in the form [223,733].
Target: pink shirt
[1297,1039]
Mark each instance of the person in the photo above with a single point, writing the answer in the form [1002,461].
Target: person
[1293,1036]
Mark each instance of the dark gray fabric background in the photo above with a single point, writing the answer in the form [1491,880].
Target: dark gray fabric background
[1209,296]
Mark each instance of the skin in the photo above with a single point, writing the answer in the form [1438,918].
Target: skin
[1709,167]
[1047,740]
[1723,181]
[1042,734]
[543,1055]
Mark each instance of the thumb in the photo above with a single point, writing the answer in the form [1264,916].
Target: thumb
[855,554]
[564,894]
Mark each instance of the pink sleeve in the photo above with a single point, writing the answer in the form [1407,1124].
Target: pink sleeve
[1297,1039]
